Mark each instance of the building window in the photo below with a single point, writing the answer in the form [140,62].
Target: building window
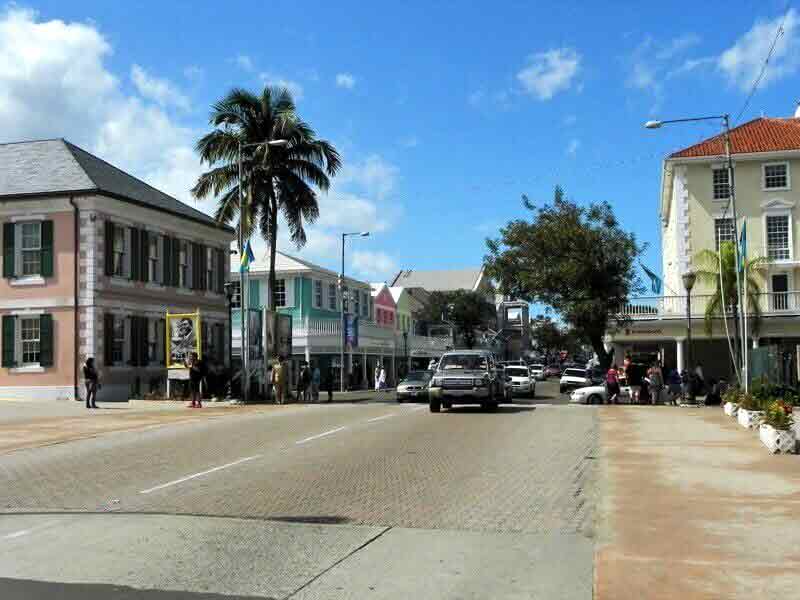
[152,340]
[31,248]
[119,251]
[332,296]
[118,340]
[30,339]
[183,264]
[210,269]
[153,263]
[778,237]
[236,298]
[317,294]
[721,187]
[279,297]
[723,231]
[776,176]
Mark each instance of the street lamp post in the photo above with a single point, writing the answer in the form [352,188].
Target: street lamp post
[741,315]
[228,287]
[688,282]
[343,319]
[243,291]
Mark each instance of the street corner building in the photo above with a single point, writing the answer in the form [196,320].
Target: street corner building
[92,261]
[695,215]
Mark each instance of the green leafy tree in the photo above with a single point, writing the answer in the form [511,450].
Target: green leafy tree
[575,259]
[550,338]
[717,271]
[277,180]
[468,311]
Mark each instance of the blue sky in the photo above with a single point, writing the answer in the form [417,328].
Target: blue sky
[444,112]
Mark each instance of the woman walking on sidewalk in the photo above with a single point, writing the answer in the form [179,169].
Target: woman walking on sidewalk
[196,375]
[90,377]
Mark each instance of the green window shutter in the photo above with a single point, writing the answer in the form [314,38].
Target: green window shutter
[47,249]
[46,340]
[9,252]
[145,256]
[108,339]
[136,259]
[9,340]
[254,301]
[109,244]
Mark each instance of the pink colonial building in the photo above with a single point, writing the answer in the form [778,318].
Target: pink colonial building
[385,308]
[92,259]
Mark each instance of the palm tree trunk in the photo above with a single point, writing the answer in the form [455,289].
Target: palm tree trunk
[273,246]
[736,345]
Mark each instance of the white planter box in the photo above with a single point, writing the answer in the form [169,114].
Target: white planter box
[730,409]
[777,441]
[749,418]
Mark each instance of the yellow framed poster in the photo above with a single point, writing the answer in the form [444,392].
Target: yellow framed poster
[183,337]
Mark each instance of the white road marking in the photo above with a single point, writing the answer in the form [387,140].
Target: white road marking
[21,532]
[419,408]
[188,477]
[319,435]
[380,418]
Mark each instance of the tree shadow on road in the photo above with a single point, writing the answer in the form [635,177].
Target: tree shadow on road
[47,590]
[502,409]
[316,519]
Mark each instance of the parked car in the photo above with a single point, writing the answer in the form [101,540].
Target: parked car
[537,371]
[507,385]
[414,386]
[597,394]
[466,377]
[522,381]
[574,378]
[552,371]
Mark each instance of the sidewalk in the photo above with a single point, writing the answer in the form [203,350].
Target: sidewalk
[692,506]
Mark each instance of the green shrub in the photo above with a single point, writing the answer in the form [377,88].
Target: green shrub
[732,395]
[751,402]
[778,414]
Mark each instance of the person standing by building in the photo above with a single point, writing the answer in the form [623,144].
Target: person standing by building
[382,379]
[656,383]
[633,374]
[612,385]
[330,380]
[377,377]
[305,382]
[196,375]
[316,377]
[91,381]
[279,380]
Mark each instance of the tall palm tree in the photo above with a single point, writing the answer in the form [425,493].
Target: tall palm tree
[276,180]
[708,267]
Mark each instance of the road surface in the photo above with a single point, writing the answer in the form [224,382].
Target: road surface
[371,499]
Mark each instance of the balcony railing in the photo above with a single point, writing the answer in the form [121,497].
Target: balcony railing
[674,307]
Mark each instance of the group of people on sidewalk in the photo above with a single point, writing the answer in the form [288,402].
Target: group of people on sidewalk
[309,382]
[648,385]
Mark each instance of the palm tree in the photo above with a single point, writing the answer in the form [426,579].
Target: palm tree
[709,265]
[276,180]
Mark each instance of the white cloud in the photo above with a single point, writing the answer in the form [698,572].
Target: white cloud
[373,266]
[278,81]
[373,176]
[548,73]
[55,84]
[572,147]
[742,62]
[677,45]
[345,80]
[244,62]
[159,90]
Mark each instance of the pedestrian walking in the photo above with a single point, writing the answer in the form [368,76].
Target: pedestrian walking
[382,379]
[656,384]
[612,385]
[305,382]
[196,374]
[377,377]
[634,378]
[316,378]
[432,364]
[279,380]
[91,381]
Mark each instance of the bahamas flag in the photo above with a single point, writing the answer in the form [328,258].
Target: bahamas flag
[743,246]
[247,258]
[655,280]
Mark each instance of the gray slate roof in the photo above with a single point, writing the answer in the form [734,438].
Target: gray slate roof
[57,166]
[438,281]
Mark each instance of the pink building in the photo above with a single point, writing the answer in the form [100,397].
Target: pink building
[384,306]
[92,260]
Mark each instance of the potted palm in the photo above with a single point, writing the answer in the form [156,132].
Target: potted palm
[750,411]
[776,431]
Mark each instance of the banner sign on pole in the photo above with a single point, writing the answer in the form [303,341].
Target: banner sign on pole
[183,338]
[351,330]
[254,333]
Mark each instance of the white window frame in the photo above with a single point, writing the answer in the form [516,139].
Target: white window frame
[280,288]
[714,170]
[184,264]
[211,270]
[124,253]
[316,293]
[154,260]
[115,340]
[19,256]
[788,185]
[789,225]
[733,230]
[789,289]
[19,342]
[152,340]
[334,296]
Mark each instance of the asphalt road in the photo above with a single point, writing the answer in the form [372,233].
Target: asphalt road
[371,499]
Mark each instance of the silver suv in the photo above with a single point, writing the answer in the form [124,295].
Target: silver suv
[466,377]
